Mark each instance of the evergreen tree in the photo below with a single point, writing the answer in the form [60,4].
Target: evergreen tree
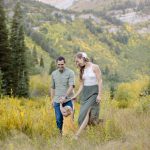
[20,82]
[112,91]
[41,62]
[0,82]
[34,54]
[52,67]
[106,71]
[5,54]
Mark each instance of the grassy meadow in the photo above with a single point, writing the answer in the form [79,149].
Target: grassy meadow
[120,49]
[30,123]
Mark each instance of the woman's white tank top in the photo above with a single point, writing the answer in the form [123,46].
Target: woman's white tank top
[89,77]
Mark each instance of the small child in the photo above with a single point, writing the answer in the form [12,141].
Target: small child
[68,122]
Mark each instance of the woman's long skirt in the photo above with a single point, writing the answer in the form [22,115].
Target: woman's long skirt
[88,101]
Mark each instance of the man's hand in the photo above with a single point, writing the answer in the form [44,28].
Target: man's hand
[52,102]
[62,99]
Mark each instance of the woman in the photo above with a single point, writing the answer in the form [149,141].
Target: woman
[91,87]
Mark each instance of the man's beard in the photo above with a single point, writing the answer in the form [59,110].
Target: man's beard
[61,70]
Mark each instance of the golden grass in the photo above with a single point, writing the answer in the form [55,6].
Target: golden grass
[39,85]
[29,124]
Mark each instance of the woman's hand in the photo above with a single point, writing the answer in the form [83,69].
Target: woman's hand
[74,98]
[98,99]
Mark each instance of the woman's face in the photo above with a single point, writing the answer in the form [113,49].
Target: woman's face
[80,62]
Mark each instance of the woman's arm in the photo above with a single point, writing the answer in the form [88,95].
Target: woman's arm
[79,90]
[97,71]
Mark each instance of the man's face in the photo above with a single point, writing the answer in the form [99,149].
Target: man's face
[61,65]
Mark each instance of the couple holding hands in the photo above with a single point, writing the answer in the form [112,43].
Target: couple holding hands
[63,96]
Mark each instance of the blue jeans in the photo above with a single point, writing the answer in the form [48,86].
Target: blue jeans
[58,114]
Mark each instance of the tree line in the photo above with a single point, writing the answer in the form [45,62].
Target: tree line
[14,77]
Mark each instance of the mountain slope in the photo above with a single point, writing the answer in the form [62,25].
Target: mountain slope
[122,55]
[97,5]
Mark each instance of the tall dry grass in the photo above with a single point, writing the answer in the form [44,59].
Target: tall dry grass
[30,124]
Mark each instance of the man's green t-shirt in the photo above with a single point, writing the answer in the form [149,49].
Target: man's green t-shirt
[60,82]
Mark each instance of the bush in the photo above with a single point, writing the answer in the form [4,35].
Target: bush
[89,25]
[33,118]
[143,105]
[122,37]
[128,93]
[39,85]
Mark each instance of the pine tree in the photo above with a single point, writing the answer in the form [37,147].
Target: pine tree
[1,83]
[34,54]
[41,62]
[52,67]
[20,81]
[112,91]
[5,54]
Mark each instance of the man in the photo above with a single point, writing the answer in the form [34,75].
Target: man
[62,84]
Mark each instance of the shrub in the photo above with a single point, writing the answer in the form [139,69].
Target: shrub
[39,85]
[128,93]
[33,118]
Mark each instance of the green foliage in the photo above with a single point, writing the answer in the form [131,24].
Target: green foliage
[123,104]
[112,91]
[39,85]
[5,54]
[123,5]
[90,26]
[146,90]
[53,31]
[34,54]
[144,105]
[123,95]
[69,38]
[52,67]
[128,93]
[20,73]
[122,37]
[113,20]
[1,83]
[41,62]
[40,39]
[76,49]
[35,68]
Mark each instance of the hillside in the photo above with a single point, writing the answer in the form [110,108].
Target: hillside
[98,5]
[119,48]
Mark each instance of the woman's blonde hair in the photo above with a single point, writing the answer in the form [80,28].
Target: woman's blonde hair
[84,56]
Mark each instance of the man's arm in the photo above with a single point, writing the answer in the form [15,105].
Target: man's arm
[65,98]
[52,91]
[71,85]
[70,90]
[52,96]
